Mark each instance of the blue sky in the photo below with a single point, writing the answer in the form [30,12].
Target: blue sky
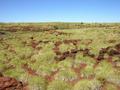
[59,10]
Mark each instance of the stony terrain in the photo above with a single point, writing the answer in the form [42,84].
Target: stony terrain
[74,59]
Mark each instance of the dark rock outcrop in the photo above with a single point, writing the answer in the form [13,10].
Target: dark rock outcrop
[8,83]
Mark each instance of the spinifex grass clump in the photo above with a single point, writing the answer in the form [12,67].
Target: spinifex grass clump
[109,86]
[114,78]
[104,70]
[87,85]
[58,85]
[37,83]
[66,75]
[87,71]
[65,47]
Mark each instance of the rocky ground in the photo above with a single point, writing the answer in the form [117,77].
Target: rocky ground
[87,59]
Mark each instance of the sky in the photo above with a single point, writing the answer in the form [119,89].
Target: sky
[59,10]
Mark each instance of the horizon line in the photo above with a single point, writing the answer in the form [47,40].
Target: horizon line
[57,22]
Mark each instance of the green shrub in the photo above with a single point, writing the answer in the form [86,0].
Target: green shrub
[104,70]
[66,47]
[87,71]
[16,73]
[58,85]
[66,75]
[110,87]
[37,83]
[114,78]
[87,60]
[87,85]
[65,64]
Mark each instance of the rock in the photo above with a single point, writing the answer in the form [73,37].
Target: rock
[86,52]
[91,55]
[103,51]
[58,43]
[100,57]
[113,52]
[74,51]
[8,83]
[1,75]
[117,47]
[111,41]
[66,53]
[2,33]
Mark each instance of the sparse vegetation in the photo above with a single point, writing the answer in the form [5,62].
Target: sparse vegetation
[61,56]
